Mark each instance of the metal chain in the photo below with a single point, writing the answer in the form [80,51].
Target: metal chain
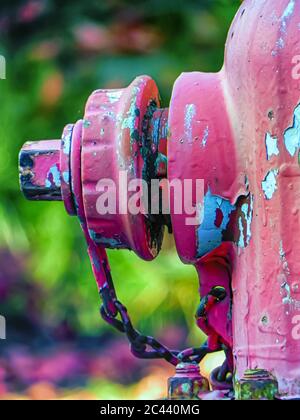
[147,347]
[139,342]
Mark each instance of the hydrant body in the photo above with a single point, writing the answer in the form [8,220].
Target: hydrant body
[237,130]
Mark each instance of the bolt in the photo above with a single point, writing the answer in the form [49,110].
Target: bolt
[187,382]
[40,177]
[256,384]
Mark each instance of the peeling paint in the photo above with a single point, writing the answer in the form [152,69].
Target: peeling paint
[272,146]
[112,243]
[53,177]
[210,236]
[241,241]
[269,185]
[86,123]
[66,140]
[205,136]
[280,43]
[218,219]
[244,223]
[114,95]
[292,134]
[287,299]
[281,251]
[247,210]
[129,121]
[288,12]
[160,160]
[190,112]
[66,177]
[286,289]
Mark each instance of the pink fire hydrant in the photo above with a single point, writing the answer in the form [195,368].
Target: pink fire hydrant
[239,131]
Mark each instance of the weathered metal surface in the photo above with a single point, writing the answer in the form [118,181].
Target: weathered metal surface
[115,142]
[239,132]
[65,167]
[187,383]
[40,170]
[257,384]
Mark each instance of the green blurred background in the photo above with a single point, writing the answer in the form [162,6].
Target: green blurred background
[57,53]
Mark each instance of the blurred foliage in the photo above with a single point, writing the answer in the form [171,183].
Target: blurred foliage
[57,53]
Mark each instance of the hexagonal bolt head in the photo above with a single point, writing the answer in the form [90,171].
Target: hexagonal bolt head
[257,384]
[187,383]
[39,165]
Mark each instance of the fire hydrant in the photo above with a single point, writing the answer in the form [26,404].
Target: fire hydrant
[237,130]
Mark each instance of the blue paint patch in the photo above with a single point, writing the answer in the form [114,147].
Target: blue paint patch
[53,177]
[190,112]
[292,134]
[67,141]
[271,146]
[114,95]
[92,234]
[112,243]
[288,12]
[156,137]
[245,221]
[205,136]
[161,159]
[241,241]
[66,177]
[86,123]
[280,43]
[209,235]
[269,185]
[95,261]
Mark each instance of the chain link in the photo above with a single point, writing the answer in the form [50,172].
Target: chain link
[147,347]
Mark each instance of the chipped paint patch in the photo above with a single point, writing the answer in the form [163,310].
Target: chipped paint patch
[160,160]
[244,223]
[130,120]
[210,233]
[280,43]
[247,210]
[292,134]
[287,13]
[66,177]
[241,241]
[66,140]
[112,243]
[271,146]
[86,123]
[281,251]
[190,112]
[269,185]
[285,287]
[114,95]
[205,136]
[53,177]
